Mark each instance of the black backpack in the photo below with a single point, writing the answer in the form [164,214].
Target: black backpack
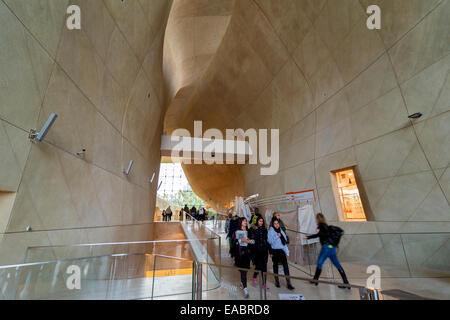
[334,235]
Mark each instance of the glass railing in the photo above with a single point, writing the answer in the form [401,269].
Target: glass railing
[174,248]
[208,252]
[231,288]
[150,276]
[408,255]
[121,276]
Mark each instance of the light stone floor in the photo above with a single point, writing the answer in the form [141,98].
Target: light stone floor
[229,288]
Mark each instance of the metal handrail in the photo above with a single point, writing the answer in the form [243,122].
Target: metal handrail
[114,243]
[376,233]
[200,223]
[198,287]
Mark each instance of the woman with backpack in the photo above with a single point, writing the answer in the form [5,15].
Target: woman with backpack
[279,251]
[260,250]
[329,239]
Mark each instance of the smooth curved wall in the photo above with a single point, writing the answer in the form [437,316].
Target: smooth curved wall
[105,83]
[340,95]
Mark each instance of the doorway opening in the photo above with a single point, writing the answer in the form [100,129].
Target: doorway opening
[348,196]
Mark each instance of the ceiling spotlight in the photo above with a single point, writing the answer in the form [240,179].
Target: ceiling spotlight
[416,115]
[128,170]
[39,136]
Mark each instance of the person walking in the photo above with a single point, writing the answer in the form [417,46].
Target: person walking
[201,214]
[227,223]
[169,214]
[194,212]
[277,216]
[329,239]
[164,215]
[278,242]
[260,250]
[242,258]
[234,222]
[186,210]
[180,215]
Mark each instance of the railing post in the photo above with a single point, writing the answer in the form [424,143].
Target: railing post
[370,294]
[197,287]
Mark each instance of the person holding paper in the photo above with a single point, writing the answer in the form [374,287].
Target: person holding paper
[242,258]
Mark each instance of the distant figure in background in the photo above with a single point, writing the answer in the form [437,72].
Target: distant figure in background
[180,217]
[163,215]
[201,214]
[186,210]
[278,242]
[256,215]
[227,223]
[169,214]
[194,212]
[233,227]
[329,239]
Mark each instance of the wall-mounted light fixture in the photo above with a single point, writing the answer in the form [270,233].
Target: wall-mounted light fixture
[81,153]
[153,177]
[128,170]
[416,115]
[39,136]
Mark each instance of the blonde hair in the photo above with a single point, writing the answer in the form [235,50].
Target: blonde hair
[321,218]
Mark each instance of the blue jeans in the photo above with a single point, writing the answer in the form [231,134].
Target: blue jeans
[328,251]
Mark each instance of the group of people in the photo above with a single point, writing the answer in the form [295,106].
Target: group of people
[253,242]
[201,214]
[167,214]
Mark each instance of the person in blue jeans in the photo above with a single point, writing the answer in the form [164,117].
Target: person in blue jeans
[328,250]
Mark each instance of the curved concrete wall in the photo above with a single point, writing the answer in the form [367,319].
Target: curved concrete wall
[105,83]
[340,95]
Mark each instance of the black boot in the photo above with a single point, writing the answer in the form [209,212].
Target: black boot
[344,279]
[317,276]
[277,282]
[289,285]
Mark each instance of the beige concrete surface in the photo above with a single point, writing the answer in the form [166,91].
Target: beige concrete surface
[340,95]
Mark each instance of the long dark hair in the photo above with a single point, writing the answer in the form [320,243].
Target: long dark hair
[263,224]
[272,222]
[240,223]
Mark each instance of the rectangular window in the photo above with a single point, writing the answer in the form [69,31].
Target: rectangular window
[348,195]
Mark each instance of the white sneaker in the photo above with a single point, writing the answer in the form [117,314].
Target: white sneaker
[246,293]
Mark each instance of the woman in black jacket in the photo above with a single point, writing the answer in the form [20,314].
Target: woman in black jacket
[328,250]
[260,250]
